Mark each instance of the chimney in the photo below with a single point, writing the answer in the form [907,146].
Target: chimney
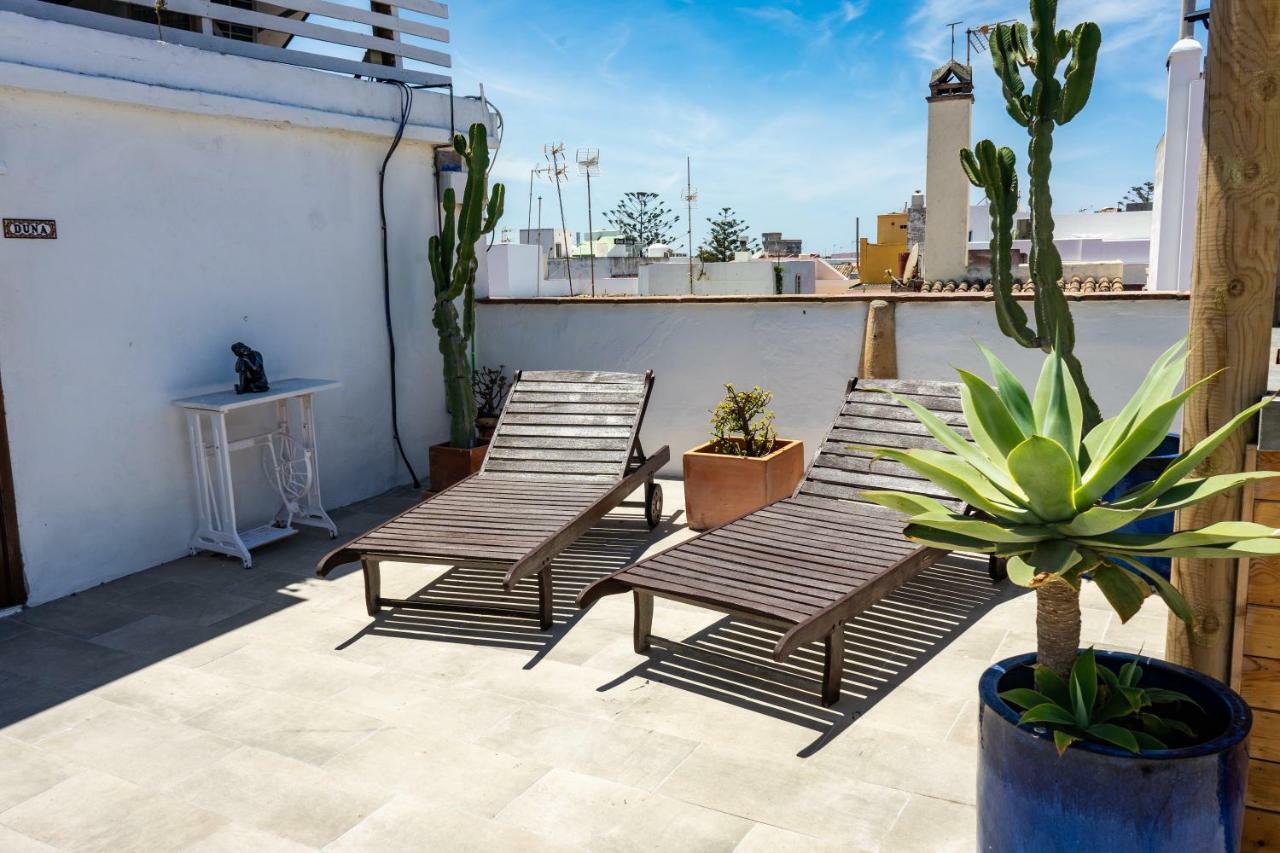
[946,189]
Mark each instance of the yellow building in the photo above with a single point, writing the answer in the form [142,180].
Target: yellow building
[877,260]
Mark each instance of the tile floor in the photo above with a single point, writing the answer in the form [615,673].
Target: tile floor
[198,706]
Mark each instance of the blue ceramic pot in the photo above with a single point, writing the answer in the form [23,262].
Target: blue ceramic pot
[1145,471]
[1097,797]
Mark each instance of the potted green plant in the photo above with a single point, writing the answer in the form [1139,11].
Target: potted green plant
[490,385]
[1079,750]
[452,256]
[744,466]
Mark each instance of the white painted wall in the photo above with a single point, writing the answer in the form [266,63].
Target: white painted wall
[182,227]
[802,350]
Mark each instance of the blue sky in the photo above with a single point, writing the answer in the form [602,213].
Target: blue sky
[799,115]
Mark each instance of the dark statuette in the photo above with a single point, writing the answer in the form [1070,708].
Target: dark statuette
[253,376]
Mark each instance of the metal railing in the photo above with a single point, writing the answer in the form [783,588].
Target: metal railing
[361,40]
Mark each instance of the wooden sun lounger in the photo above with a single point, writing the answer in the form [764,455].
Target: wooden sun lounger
[565,452]
[808,563]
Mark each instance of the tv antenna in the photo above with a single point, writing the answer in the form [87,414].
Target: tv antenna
[953,26]
[588,166]
[536,170]
[976,39]
[690,198]
[554,152]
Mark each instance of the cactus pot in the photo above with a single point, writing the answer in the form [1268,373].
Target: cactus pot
[1097,797]
[719,487]
[447,464]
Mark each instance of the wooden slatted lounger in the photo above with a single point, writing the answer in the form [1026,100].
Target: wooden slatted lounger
[565,452]
[808,563]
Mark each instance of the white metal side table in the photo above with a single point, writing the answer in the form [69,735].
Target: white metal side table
[289,460]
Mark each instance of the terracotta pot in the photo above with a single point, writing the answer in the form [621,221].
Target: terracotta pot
[485,427]
[447,465]
[719,487]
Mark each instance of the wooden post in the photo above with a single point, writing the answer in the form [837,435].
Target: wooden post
[1232,292]
[879,343]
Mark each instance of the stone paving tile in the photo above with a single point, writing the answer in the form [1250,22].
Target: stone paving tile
[770,839]
[299,728]
[279,795]
[641,758]
[180,600]
[16,842]
[26,771]
[606,816]
[41,655]
[93,811]
[236,838]
[137,747]
[787,794]
[33,710]
[173,692]
[410,825]
[928,825]
[80,616]
[306,675]
[408,700]
[445,771]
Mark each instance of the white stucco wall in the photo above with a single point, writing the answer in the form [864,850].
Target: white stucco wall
[804,350]
[182,227]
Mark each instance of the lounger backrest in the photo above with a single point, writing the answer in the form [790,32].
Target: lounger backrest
[569,425]
[874,419]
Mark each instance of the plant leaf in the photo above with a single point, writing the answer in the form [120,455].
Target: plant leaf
[1044,470]
[1149,742]
[1052,685]
[957,478]
[1191,492]
[1123,591]
[977,528]
[1169,367]
[906,502]
[1099,520]
[1020,572]
[1062,740]
[1115,735]
[1177,604]
[1146,435]
[1219,533]
[1024,697]
[992,424]
[1047,713]
[1011,392]
[1187,462]
[1084,687]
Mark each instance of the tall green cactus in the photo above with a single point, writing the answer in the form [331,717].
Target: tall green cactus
[1049,104]
[453,272]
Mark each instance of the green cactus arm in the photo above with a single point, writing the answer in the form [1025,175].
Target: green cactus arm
[972,169]
[1085,42]
[1006,54]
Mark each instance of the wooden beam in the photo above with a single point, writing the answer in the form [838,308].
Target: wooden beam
[1232,292]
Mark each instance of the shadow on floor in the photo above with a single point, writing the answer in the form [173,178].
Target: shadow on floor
[617,541]
[731,661]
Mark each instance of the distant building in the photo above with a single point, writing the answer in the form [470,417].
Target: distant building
[880,262]
[554,242]
[775,245]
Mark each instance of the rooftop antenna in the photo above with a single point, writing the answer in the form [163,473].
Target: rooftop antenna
[589,165]
[554,152]
[953,26]
[690,196]
[544,170]
[976,39]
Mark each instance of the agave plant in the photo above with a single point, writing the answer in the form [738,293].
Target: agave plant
[1038,481]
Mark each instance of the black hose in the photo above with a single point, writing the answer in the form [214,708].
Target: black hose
[406,106]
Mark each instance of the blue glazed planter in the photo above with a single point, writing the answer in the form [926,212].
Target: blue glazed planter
[1098,797]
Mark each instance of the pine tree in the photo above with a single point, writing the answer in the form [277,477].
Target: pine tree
[728,235]
[643,218]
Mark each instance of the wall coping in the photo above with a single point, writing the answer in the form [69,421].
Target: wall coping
[810,298]
[56,58]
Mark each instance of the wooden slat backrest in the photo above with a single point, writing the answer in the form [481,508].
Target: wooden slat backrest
[872,418]
[568,425]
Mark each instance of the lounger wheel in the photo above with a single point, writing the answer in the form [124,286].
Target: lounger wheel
[653,504]
[997,568]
